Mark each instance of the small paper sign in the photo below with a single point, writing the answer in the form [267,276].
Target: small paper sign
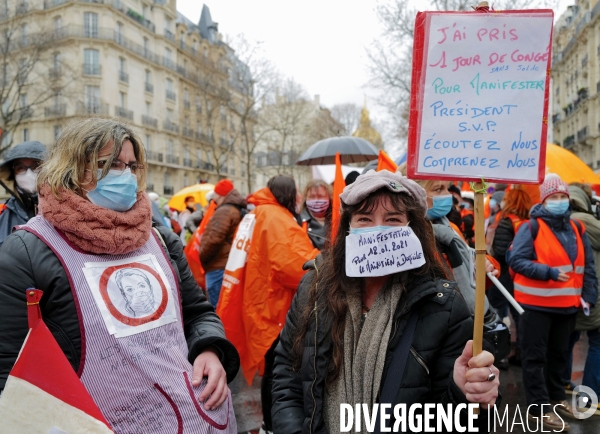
[383,253]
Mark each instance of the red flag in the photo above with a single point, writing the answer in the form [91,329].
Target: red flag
[384,162]
[338,187]
[43,391]
[192,248]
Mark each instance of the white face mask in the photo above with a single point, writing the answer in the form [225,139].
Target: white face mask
[27,181]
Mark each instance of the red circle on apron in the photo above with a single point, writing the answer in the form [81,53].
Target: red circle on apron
[112,308]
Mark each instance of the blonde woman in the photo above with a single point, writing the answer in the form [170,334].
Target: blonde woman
[118,295]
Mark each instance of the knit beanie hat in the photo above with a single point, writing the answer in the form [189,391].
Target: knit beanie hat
[553,184]
[223,187]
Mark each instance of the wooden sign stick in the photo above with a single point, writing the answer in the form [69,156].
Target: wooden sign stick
[480,253]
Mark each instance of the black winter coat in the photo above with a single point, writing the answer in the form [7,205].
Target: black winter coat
[505,233]
[27,262]
[443,328]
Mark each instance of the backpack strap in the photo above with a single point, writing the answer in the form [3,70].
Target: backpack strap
[580,226]
[162,241]
[393,377]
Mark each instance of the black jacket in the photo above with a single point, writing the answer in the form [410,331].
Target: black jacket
[318,233]
[505,233]
[27,262]
[17,213]
[443,328]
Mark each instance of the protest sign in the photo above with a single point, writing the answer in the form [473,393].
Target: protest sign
[479,99]
[382,253]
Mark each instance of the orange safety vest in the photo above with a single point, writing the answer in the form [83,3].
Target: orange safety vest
[548,293]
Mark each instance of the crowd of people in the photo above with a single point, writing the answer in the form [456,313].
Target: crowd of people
[109,258]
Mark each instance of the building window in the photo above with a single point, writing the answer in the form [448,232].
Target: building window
[185,180]
[170,147]
[123,76]
[120,33]
[170,115]
[148,143]
[56,61]
[90,24]
[148,109]
[92,98]
[122,99]
[57,131]
[92,61]
[25,134]
[198,127]
[195,46]
[23,101]
[57,23]
[199,155]
[24,34]
[145,11]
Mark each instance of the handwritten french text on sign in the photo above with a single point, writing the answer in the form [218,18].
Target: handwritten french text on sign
[383,253]
[479,100]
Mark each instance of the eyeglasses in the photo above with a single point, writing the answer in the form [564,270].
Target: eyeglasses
[22,168]
[120,166]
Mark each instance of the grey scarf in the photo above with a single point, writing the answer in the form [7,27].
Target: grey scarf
[364,354]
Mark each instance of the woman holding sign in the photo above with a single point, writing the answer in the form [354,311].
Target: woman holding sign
[374,322]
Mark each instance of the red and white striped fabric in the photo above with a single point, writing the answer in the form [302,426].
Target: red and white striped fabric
[43,393]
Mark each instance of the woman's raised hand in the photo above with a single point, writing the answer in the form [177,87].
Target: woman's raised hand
[472,376]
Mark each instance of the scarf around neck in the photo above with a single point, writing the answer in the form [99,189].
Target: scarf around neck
[364,354]
[95,229]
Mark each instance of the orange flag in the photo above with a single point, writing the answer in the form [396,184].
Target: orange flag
[338,187]
[384,162]
[192,248]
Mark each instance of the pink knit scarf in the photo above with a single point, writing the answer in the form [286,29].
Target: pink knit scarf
[95,229]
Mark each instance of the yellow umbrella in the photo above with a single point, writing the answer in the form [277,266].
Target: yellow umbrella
[568,166]
[198,191]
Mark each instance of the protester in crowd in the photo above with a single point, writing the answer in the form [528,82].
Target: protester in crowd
[107,275]
[315,212]
[351,177]
[581,206]
[449,241]
[278,251]
[182,218]
[514,211]
[554,265]
[18,175]
[340,336]
[157,216]
[218,235]
[515,206]
[454,214]
[468,220]
[495,201]
[193,222]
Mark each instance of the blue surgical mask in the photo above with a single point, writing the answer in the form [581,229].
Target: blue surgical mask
[493,203]
[441,206]
[557,207]
[116,191]
[356,231]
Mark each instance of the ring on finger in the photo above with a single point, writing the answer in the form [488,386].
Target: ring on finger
[492,376]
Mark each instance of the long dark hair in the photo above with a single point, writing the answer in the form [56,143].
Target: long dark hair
[283,188]
[330,284]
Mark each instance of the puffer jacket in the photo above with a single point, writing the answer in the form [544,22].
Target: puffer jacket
[521,256]
[455,249]
[443,328]
[582,203]
[505,233]
[318,233]
[219,232]
[16,213]
[27,262]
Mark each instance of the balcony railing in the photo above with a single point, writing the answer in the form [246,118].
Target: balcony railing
[56,110]
[22,8]
[582,134]
[123,76]
[187,162]
[55,72]
[172,159]
[52,3]
[168,63]
[92,108]
[569,142]
[149,121]
[188,132]
[23,113]
[167,189]
[169,35]
[91,69]
[155,156]
[149,87]
[171,95]
[556,118]
[170,126]
[122,112]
